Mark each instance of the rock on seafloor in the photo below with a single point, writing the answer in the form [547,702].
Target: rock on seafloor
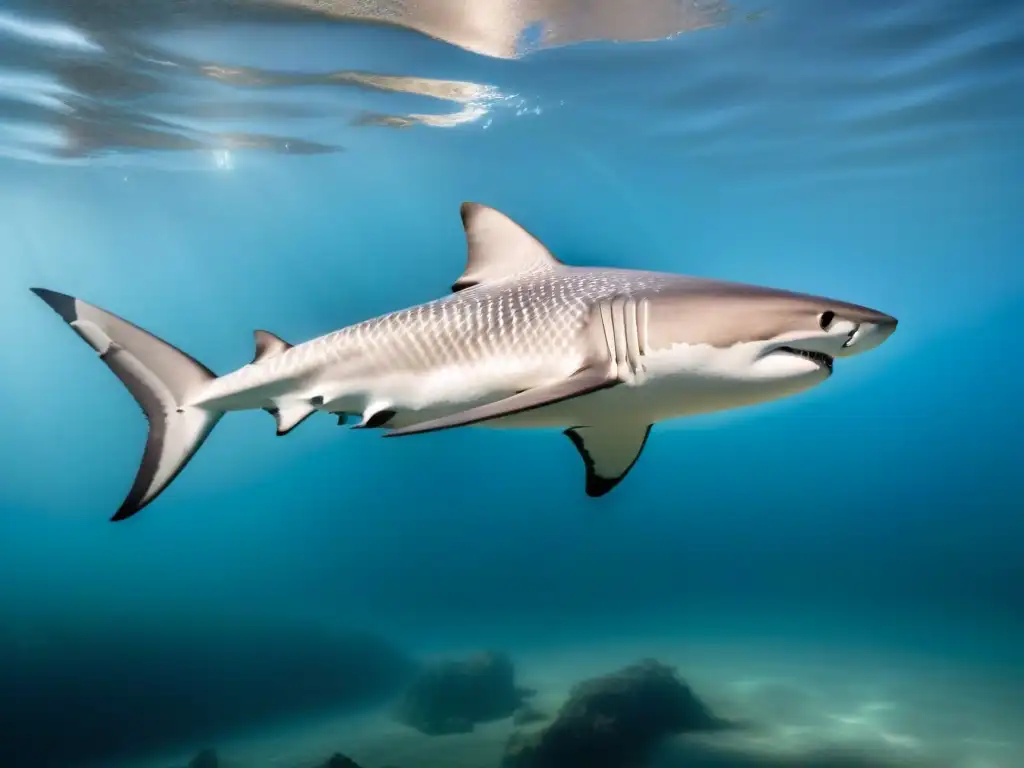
[614,721]
[208,758]
[527,714]
[183,676]
[452,696]
[338,760]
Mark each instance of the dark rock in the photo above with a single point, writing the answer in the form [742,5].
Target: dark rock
[450,725]
[206,759]
[338,760]
[528,714]
[452,696]
[184,676]
[613,721]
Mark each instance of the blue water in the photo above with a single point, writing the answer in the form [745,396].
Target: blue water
[871,152]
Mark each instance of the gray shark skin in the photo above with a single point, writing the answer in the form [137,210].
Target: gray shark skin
[522,341]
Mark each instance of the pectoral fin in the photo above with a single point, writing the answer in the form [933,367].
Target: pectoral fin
[583,382]
[608,451]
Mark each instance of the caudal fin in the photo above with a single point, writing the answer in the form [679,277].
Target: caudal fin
[160,377]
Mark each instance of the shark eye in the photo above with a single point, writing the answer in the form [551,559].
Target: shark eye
[826,319]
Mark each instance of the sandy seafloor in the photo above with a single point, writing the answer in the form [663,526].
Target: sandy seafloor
[807,707]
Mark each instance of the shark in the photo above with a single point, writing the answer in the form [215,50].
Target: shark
[522,340]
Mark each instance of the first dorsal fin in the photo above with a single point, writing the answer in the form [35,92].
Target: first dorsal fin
[268,344]
[498,248]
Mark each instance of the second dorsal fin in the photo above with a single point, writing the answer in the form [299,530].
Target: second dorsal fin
[267,344]
[498,248]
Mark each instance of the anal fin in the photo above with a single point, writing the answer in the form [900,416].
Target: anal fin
[376,415]
[608,451]
[583,382]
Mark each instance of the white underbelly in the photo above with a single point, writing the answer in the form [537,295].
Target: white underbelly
[686,380]
[683,381]
[419,396]
[647,403]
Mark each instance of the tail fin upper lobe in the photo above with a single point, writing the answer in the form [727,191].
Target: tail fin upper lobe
[160,377]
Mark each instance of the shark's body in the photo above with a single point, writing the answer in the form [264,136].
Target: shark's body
[523,341]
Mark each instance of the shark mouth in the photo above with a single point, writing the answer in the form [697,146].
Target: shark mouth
[820,358]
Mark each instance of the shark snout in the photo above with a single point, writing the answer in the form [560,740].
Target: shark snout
[845,340]
[868,335]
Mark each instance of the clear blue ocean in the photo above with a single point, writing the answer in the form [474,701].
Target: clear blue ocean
[841,570]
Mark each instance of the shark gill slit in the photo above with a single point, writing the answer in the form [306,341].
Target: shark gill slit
[621,350]
[604,313]
[625,331]
[632,346]
[642,315]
